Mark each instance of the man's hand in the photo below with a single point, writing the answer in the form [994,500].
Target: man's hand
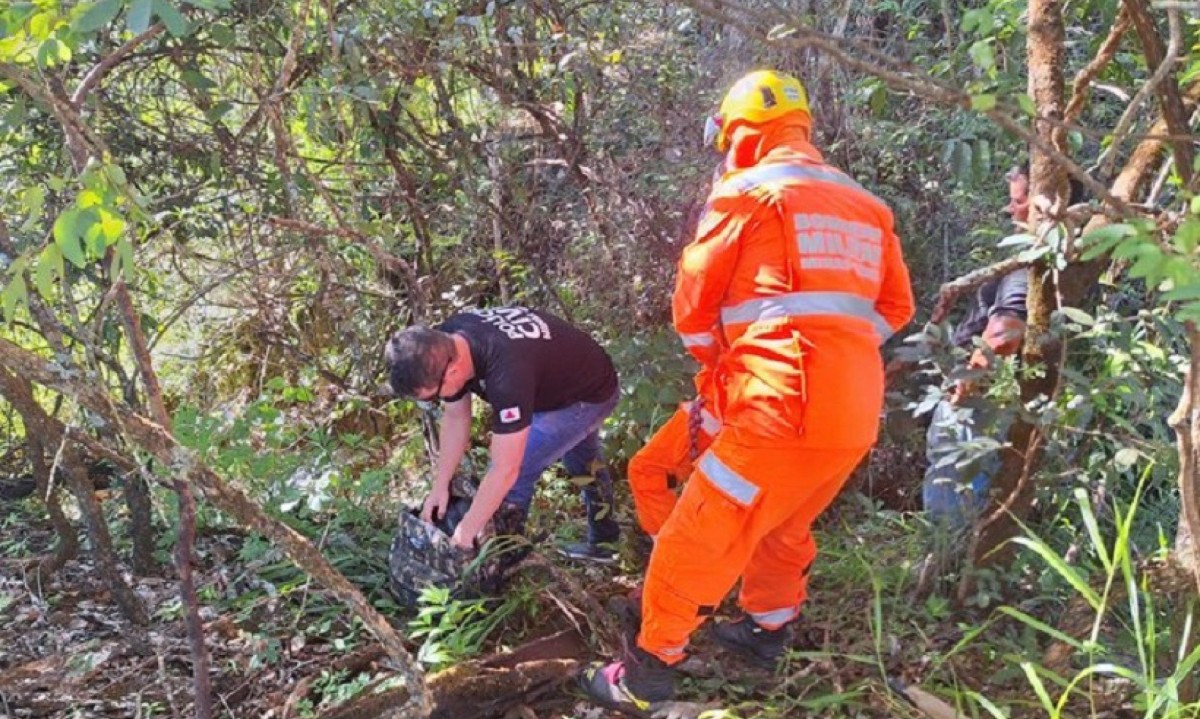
[467,531]
[436,504]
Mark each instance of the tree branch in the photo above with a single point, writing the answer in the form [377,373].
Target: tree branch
[93,77]
[899,75]
[1083,80]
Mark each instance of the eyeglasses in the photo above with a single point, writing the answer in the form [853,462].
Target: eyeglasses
[432,400]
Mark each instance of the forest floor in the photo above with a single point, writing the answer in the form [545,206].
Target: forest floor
[280,649]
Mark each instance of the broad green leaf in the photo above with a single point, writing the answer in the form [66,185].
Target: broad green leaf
[94,239]
[1183,293]
[42,25]
[67,235]
[14,295]
[138,19]
[1148,264]
[194,79]
[111,226]
[1025,102]
[1103,239]
[49,268]
[983,103]
[176,23]
[222,35]
[983,55]
[98,15]
[1078,316]
[89,198]
[1188,235]
[53,52]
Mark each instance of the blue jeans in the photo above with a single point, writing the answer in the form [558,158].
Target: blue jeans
[571,434]
[955,495]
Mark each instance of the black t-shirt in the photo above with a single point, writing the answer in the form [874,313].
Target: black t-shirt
[1003,296]
[528,361]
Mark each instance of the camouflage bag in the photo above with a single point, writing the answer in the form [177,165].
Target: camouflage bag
[422,556]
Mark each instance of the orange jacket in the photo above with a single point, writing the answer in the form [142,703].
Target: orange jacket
[794,280]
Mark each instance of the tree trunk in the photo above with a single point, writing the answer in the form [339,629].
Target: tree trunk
[67,547]
[97,528]
[141,528]
[1013,489]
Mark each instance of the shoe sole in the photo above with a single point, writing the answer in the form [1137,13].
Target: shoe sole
[623,709]
[604,561]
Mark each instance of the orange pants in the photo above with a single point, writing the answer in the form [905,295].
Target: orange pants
[664,464]
[748,512]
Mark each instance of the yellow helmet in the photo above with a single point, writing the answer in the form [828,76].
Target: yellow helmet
[759,97]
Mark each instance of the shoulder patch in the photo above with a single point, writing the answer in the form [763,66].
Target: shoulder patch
[510,414]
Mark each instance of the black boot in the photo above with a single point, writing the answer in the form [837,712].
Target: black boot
[764,647]
[635,683]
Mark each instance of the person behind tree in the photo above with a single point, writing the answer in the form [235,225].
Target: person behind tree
[550,387]
[951,494]
[794,280]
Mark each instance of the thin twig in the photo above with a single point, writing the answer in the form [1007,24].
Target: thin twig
[93,77]
[1164,69]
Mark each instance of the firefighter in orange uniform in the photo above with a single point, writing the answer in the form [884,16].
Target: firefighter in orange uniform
[794,280]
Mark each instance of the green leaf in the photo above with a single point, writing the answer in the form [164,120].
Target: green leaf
[176,23]
[98,15]
[94,239]
[962,161]
[53,52]
[222,35]
[1183,293]
[1126,457]
[983,55]
[67,234]
[1025,102]
[1078,316]
[14,295]
[1188,235]
[34,201]
[138,20]
[49,268]
[111,226]
[1066,571]
[983,103]
[1093,528]
[1038,687]
[125,254]
[1042,627]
